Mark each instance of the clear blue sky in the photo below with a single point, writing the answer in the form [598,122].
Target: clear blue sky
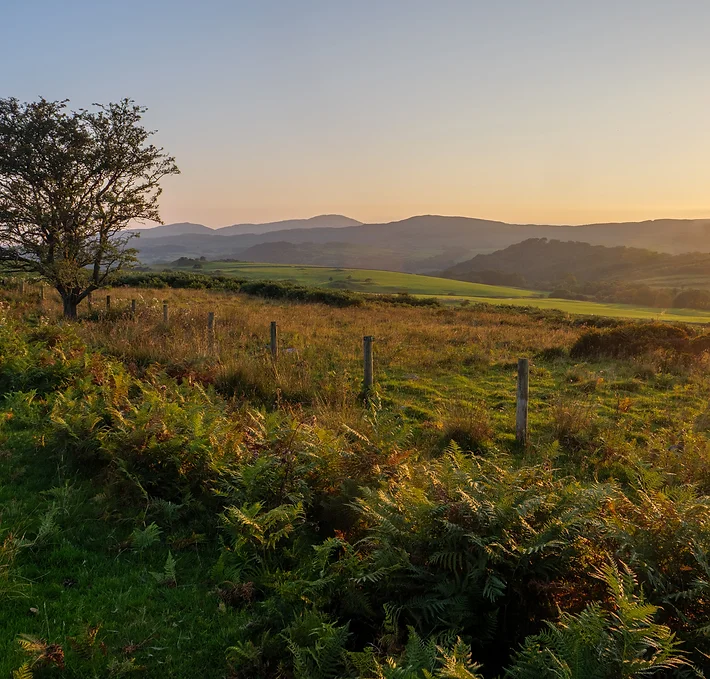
[561,111]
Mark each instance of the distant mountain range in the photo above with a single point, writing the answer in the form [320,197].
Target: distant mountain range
[422,244]
[183,228]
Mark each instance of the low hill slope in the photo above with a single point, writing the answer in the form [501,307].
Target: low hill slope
[544,263]
[323,254]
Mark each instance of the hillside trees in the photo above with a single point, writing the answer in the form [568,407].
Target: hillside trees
[70,182]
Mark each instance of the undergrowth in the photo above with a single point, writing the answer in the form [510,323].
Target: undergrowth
[160,520]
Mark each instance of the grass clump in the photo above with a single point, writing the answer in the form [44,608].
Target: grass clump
[468,427]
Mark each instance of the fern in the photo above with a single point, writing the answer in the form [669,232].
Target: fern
[147,537]
[43,653]
[601,644]
[23,672]
[421,659]
[317,647]
[168,576]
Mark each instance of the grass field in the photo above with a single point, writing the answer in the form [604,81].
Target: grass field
[362,280]
[591,308]
[193,507]
[449,292]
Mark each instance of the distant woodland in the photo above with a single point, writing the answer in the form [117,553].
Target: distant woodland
[573,270]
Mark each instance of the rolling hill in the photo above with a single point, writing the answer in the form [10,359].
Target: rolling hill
[543,263]
[422,244]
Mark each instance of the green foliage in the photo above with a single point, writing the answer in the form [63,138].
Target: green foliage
[317,647]
[162,440]
[421,659]
[168,576]
[147,537]
[355,542]
[597,643]
[266,289]
[104,173]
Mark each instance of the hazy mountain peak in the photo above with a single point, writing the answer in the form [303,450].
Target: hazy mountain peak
[319,221]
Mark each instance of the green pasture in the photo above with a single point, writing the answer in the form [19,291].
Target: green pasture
[590,308]
[448,291]
[362,280]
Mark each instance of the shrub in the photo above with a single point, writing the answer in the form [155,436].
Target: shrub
[406,299]
[631,339]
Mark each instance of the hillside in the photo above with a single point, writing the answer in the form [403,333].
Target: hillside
[356,280]
[321,254]
[543,263]
[422,244]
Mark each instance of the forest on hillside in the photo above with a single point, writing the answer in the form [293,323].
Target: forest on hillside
[575,270]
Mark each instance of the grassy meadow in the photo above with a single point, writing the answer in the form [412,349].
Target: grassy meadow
[447,291]
[179,504]
[360,280]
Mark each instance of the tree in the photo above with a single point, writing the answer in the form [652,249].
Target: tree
[70,182]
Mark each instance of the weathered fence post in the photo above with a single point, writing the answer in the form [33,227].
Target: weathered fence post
[22,286]
[210,331]
[108,302]
[274,340]
[41,292]
[89,301]
[133,308]
[165,312]
[368,363]
[521,414]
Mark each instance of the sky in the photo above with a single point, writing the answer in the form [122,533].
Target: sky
[528,111]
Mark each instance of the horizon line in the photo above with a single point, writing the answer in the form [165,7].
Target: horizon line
[416,216]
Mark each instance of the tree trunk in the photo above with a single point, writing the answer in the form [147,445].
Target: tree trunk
[70,306]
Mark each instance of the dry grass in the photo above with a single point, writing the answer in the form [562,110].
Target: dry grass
[426,361]
[320,346]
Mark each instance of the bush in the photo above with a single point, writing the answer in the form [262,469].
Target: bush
[631,339]
[692,299]
[406,299]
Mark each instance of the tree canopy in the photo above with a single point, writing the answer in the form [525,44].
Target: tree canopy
[70,183]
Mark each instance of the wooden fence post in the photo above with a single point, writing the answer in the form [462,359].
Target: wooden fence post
[521,414]
[22,286]
[41,292]
[108,302]
[210,331]
[368,363]
[89,301]
[274,340]
[133,308]
[165,312]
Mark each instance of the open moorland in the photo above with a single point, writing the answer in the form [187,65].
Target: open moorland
[177,501]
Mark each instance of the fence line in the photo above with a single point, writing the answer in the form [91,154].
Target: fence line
[523,374]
